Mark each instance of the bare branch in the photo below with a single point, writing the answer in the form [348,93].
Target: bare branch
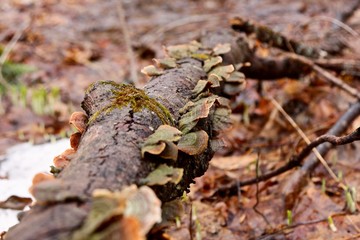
[296,161]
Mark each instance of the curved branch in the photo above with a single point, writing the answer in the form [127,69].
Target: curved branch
[296,161]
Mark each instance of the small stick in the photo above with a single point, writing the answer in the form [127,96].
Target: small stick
[327,76]
[339,214]
[155,35]
[336,81]
[9,47]
[127,39]
[339,64]
[295,161]
[305,138]
[257,192]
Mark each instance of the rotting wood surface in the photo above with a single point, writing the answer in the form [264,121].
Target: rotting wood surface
[109,155]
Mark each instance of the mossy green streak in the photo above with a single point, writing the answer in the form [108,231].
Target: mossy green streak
[124,95]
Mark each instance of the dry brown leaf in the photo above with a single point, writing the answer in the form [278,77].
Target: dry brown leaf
[233,162]
[15,203]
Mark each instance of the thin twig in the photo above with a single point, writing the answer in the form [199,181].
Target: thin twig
[340,64]
[335,22]
[191,231]
[353,224]
[295,161]
[336,81]
[339,214]
[257,191]
[327,75]
[127,40]
[305,138]
[8,48]
[156,34]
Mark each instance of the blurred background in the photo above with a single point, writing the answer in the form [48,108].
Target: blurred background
[52,50]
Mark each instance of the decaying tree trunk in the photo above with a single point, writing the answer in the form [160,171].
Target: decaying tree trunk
[109,154]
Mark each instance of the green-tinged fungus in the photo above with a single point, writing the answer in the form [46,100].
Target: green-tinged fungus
[152,71]
[165,63]
[212,62]
[132,208]
[222,48]
[183,50]
[163,174]
[223,71]
[200,109]
[161,143]
[194,143]
[200,87]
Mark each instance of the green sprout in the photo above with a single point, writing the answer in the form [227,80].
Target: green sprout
[289,217]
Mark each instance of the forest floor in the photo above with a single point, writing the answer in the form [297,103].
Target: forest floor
[65,45]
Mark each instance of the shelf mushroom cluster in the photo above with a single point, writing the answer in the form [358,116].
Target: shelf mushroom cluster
[79,121]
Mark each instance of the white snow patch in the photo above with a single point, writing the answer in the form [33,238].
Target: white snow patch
[21,163]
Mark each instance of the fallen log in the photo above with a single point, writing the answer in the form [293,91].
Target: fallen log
[109,156]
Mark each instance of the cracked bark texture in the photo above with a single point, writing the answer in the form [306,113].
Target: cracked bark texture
[109,152]
[109,155]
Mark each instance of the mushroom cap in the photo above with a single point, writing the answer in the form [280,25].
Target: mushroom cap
[79,121]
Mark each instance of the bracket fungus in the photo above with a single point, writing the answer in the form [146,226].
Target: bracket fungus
[161,142]
[135,209]
[64,158]
[163,174]
[220,48]
[79,121]
[38,178]
[194,143]
[211,62]
[151,71]
[75,140]
[165,63]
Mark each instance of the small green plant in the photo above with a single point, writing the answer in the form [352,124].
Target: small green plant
[38,100]
[340,175]
[12,71]
[350,196]
[10,87]
[177,222]
[197,223]
[42,101]
[323,185]
[18,94]
[289,217]
[331,224]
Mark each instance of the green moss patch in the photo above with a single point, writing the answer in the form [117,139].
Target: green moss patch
[124,95]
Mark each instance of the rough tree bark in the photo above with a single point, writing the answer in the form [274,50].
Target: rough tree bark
[109,155]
